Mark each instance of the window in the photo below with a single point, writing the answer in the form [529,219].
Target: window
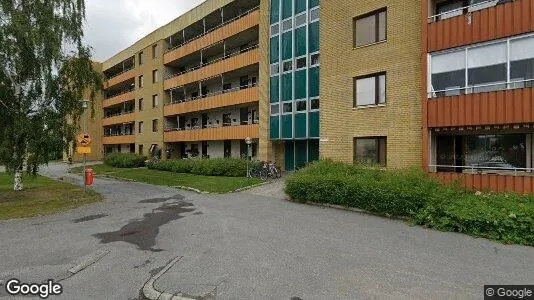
[486,65]
[448,73]
[301,105]
[370,90]
[314,14]
[154,76]
[300,20]
[370,151]
[522,62]
[288,107]
[370,28]
[275,29]
[449,9]
[141,104]
[155,101]
[155,51]
[275,69]
[287,66]
[314,59]
[141,81]
[275,11]
[155,125]
[314,104]
[140,127]
[301,63]
[287,24]
[275,109]
[140,63]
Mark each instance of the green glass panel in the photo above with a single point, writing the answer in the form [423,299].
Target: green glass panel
[287,8]
[313,84]
[301,154]
[275,11]
[275,89]
[275,52]
[287,87]
[274,128]
[314,124]
[287,126]
[300,84]
[314,3]
[287,43]
[300,6]
[300,41]
[313,30]
[289,156]
[313,150]
[300,125]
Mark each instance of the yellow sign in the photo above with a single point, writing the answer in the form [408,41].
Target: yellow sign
[83,150]
[84,140]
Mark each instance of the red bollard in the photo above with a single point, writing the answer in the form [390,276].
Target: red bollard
[89,177]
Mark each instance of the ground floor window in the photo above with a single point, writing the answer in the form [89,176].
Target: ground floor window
[370,150]
[483,152]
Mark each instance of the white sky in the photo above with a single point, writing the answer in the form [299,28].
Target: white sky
[113,25]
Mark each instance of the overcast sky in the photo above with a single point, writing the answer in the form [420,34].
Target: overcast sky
[113,25]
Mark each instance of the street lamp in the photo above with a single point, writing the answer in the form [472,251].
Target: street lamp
[248,140]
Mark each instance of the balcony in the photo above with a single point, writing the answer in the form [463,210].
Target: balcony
[118,98]
[480,22]
[237,132]
[122,77]
[118,139]
[119,118]
[497,183]
[215,100]
[227,29]
[230,62]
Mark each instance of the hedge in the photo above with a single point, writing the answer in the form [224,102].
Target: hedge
[414,195]
[124,160]
[230,167]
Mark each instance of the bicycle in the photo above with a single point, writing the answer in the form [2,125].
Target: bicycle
[265,170]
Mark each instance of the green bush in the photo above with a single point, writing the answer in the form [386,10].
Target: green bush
[229,167]
[125,160]
[413,194]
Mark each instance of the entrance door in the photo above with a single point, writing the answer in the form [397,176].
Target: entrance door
[301,154]
[289,156]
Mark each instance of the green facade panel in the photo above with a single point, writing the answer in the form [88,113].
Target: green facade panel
[314,124]
[313,83]
[287,45]
[275,52]
[313,150]
[287,126]
[275,11]
[313,32]
[301,154]
[300,6]
[287,87]
[289,155]
[300,125]
[274,89]
[287,8]
[300,84]
[274,127]
[313,3]
[300,41]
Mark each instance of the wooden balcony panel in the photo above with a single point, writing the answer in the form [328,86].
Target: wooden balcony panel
[213,134]
[213,37]
[499,183]
[230,64]
[119,99]
[489,108]
[118,140]
[495,22]
[222,100]
[128,118]
[120,78]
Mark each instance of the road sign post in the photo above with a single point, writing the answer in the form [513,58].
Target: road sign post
[84,141]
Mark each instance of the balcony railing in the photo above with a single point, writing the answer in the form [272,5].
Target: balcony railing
[220,92]
[197,127]
[487,170]
[462,10]
[118,134]
[255,46]
[480,88]
[214,28]
[119,114]
[120,73]
[120,93]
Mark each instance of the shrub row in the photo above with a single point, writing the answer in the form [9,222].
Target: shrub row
[230,167]
[125,160]
[413,194]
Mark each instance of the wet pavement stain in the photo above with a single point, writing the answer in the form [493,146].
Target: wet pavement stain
[143,232]
[144,264]
[90,218]
[160,200]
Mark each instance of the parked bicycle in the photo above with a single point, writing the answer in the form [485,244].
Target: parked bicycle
[265,170]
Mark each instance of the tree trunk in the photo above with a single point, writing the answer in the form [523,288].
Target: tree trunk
[17,186]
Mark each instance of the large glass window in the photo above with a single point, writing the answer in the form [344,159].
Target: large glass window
[300,41]
[300,6]
[522,62]
[370,28]
[448,73]
[370,90]
[287,8]
[287,45]
[275,52]
[275,89]
[287,87]
[275,11]
[300,84]
[313,32]
[487,66]
[313,82]
[370,151]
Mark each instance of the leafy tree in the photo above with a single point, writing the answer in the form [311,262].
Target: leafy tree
[41,80]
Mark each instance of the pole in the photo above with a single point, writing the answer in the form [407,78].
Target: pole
[84,163]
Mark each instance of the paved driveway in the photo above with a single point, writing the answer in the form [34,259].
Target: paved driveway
[249,245]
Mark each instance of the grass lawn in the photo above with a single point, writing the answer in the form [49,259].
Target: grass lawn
[212,184]
[41,196]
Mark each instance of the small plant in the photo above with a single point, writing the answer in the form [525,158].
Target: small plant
[229,167]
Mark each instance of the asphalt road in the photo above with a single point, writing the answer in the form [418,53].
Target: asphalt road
[250,245]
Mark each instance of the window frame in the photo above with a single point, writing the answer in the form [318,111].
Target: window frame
[141,127]
[141,104]
[377,140]
[155,76]
[154,51]
[155,101]
[376,77]
[155,125]
[376,13]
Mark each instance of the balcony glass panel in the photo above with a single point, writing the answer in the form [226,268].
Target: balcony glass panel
[522,62]
[487,65]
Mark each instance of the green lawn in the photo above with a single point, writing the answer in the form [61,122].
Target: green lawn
[41,196]
[212,184]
